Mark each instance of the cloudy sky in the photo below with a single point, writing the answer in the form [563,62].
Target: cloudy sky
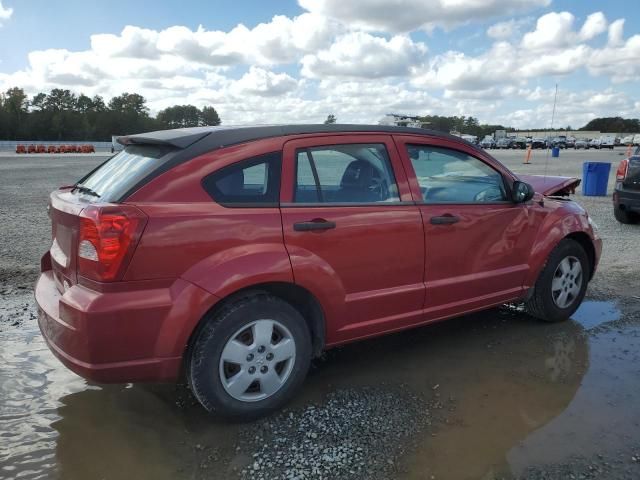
[286,61]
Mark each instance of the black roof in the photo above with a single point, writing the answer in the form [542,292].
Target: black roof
[211,138]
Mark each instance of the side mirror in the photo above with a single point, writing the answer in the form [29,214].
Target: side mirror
[521,192]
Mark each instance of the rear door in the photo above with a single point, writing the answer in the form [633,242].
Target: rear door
[477,241]
[353,234]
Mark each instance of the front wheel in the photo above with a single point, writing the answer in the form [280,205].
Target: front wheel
[250,358]
[562,283]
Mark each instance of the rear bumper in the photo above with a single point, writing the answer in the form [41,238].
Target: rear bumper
[138,335]
[627,199]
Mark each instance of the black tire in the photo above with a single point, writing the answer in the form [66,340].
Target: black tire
[624,216]
[541,304]
[203,364]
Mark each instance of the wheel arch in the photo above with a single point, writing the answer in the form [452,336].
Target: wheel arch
[299,297]
[585,242]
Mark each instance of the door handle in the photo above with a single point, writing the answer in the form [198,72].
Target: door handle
[444,220]
[315,224]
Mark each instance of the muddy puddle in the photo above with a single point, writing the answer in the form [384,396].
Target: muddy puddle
[483,396]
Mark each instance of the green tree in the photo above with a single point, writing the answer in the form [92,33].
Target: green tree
[129,103]
[84,103]
[209,117]
[331,119]
[180,116]
[60,100]
[15,104]
[614,124]
[38,101]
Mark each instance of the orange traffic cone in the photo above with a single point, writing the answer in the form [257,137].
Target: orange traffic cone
[527,156]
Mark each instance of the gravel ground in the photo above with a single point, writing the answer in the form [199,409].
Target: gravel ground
[353,434]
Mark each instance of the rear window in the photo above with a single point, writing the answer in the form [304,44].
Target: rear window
[115,177]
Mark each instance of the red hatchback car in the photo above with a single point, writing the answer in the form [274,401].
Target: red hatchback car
[232,256]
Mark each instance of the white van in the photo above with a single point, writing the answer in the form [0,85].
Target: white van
[607,142]
[628,140]
[636,139]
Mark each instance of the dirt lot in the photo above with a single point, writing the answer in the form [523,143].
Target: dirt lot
[494,395]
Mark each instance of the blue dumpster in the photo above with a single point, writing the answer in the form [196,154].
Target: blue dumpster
[555,152]
[595,176]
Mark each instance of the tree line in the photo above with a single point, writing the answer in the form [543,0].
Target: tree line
[63,115]
[471,125]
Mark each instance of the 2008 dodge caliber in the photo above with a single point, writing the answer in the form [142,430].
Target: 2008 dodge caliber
[232,256]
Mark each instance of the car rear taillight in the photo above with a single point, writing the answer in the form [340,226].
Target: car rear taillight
[622,169]
[108,236]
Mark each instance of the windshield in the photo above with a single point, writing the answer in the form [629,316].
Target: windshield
[116,176]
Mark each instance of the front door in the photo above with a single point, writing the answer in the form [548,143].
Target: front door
[353,234]
[477,240]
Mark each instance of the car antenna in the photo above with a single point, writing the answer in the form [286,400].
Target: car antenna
[553,116]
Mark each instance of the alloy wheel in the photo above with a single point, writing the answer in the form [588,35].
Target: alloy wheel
[257,360]
[567,282]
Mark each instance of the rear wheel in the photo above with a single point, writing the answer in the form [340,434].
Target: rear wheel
[624,216]
[250,357]
[562,283]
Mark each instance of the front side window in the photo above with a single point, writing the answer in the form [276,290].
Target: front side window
[350,173]
[252,181]
[450,176]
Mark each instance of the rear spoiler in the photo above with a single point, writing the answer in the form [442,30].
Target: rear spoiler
[180,138]
[559,186]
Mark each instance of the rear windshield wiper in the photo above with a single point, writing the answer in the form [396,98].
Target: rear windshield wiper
[84,189]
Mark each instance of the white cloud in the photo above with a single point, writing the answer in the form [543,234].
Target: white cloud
[573,108]
[408,15]
[553,48]
[362,55]
[258,81]
[329,60]
[620,63]
[507,29]
[5,13]
[594,25]
[282,40]
[553,30]
[616,33]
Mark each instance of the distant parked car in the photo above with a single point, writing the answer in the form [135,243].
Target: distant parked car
[558,142]
[628,140]
[504,143]
[595,143]
[538,143]
[581,143]
[626,194]
[488,143]
[570,142]
[21,149]
[520,142]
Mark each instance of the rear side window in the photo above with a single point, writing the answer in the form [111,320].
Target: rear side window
[350,173]
[252,183]
[115,177]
